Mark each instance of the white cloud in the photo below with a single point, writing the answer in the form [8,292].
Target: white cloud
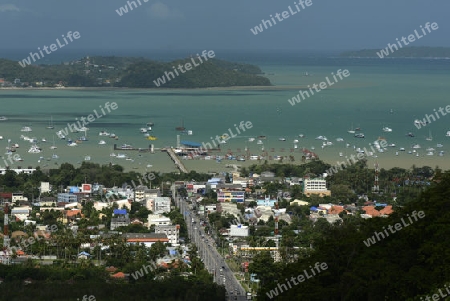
[159,10]
[8,7]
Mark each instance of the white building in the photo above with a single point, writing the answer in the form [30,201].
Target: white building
[239,230]
[171,231]
[161,205]
[315,186]
[157,219]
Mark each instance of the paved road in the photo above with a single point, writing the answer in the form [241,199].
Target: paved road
[213,261]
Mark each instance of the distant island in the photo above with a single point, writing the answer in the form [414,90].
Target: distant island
[405,52]
[129,72]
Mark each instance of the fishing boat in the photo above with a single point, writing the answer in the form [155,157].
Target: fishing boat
[150,123]
[439,145]
[341,154]
[387,129]
[429,138]
[72,144]
[448,134]
[102,142]
[359,135]
[416,146]
[87,158]
[301,136]
[282,139]
[181,128]
[339,139]
[121,156]
[143,130]
[251,139]
[410,134]
[50,125]
[26,129]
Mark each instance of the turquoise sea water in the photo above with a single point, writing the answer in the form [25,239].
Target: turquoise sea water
[409,88]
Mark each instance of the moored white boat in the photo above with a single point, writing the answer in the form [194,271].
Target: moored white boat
[26,129]
[102,142]
[387,129]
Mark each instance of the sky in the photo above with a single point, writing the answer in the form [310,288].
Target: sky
[212,24]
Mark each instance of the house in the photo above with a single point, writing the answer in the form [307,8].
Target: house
[84,255]
[267,201]
[67,197]
[119,221]
[373,212]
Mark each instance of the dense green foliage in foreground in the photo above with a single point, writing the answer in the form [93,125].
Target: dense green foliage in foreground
[134,73]
[406,52]
[407,265]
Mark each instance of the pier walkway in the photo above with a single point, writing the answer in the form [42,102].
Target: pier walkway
[176,160]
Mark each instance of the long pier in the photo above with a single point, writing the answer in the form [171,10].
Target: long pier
[176,160]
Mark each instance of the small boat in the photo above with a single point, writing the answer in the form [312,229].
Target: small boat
[150,123]
[351,131]
[54,156]
[152,138]
[112,155]
[3,118]
[301,136]
[341,154]
[87,158]
[72,144]
[53,146]
[189,132]
[295,146]
[251,139]
[50,125]
[410,134]
[439,145]
[259,142]
[396,153]
[320,138]
[102,142]
[242,159]
[43,140]
[295,140]
[359,135]
[416,146]
[387,129]
[112,135]
[420,122]
[83,129]
[26,129]
[121,156]
[126,146]
[282,139]
[83,138]
[392,145]
[339,139]
[103,133]
[402,149]
[143,130]
[60,135]
[264,137]
[448,134]
[358,129]
[34,149]
[429,138]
